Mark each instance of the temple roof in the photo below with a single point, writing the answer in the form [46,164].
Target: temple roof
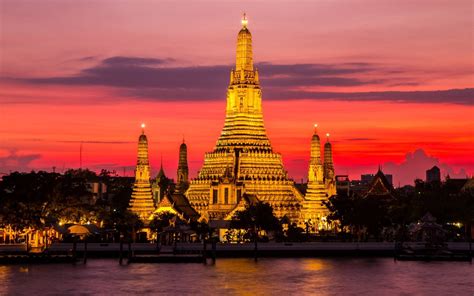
[181,204]
[379,185]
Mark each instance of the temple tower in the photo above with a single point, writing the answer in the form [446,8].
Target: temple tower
[160,185]
[183,171]
[314,209]
[329,175]
[141,201]
[243,161]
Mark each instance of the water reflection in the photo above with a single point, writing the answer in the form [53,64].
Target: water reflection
[242,277]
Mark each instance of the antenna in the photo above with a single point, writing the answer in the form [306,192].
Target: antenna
[80,156]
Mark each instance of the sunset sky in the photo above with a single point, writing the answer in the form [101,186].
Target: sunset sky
[391,81]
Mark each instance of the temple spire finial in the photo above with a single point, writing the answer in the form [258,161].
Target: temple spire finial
[244,20]
[143,128]
[315,128]
[327,137]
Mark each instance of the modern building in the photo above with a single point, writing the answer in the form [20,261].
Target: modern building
[433,175]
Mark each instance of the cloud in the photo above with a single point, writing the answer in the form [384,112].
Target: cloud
[414,167]
[360,139]
[159,79]
[134,61]
[95,142]
[15,162]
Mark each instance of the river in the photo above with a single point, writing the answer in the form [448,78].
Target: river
[302,276]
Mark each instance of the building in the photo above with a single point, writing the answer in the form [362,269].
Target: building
[366,179]
[433,175]
[343,184]
[243,161]
[243,165]
[160,185]
[321,184]
[182,183]
[379,186]
[141,202]
[329,174]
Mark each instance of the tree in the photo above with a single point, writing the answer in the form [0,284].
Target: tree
[125,223]
[161,220]
[202,229]
[254,218]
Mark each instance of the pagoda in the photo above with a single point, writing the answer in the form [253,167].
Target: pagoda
[243,162]
[141,202]
[321,184]
[183,171]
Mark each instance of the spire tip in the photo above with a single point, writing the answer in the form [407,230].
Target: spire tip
[244,20]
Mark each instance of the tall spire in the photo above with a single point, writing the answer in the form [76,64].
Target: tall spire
[141,201]
[244,119]
[315,191]
[328,162]
[316,146]
[244,59]
[183,170]
[329,174]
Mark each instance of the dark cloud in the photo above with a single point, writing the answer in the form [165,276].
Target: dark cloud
[96,142]
[158,79]
[15,162]
[128,61]
[414,167]
[453,96]
[87,59]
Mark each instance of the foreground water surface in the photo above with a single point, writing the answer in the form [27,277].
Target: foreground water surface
[334,276]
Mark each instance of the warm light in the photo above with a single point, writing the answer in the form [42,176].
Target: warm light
[315,125]
[244,20]
[143,125]
[327,135]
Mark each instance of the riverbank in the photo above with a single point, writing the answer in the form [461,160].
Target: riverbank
[191,252]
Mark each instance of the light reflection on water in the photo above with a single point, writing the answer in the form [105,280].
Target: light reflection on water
[303,276]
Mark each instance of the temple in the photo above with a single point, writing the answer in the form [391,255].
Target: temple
[183,171]
[243,161]
[141,202]
[243,168]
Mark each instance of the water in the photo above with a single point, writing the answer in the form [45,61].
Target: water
[335,276]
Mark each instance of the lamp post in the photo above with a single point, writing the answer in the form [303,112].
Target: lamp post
[255,233]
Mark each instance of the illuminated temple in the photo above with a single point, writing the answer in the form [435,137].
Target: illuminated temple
[243,166]
[141,201]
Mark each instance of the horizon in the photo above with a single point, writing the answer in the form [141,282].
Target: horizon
[392,93]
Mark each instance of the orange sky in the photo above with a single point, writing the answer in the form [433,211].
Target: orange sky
[367,72]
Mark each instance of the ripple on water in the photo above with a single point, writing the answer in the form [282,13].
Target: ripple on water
[322,276]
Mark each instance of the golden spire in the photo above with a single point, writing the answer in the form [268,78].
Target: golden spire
[141,201]
[244,48]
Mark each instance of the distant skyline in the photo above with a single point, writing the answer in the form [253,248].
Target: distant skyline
[391,81]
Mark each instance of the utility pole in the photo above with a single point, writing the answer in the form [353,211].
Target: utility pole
[80,156]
